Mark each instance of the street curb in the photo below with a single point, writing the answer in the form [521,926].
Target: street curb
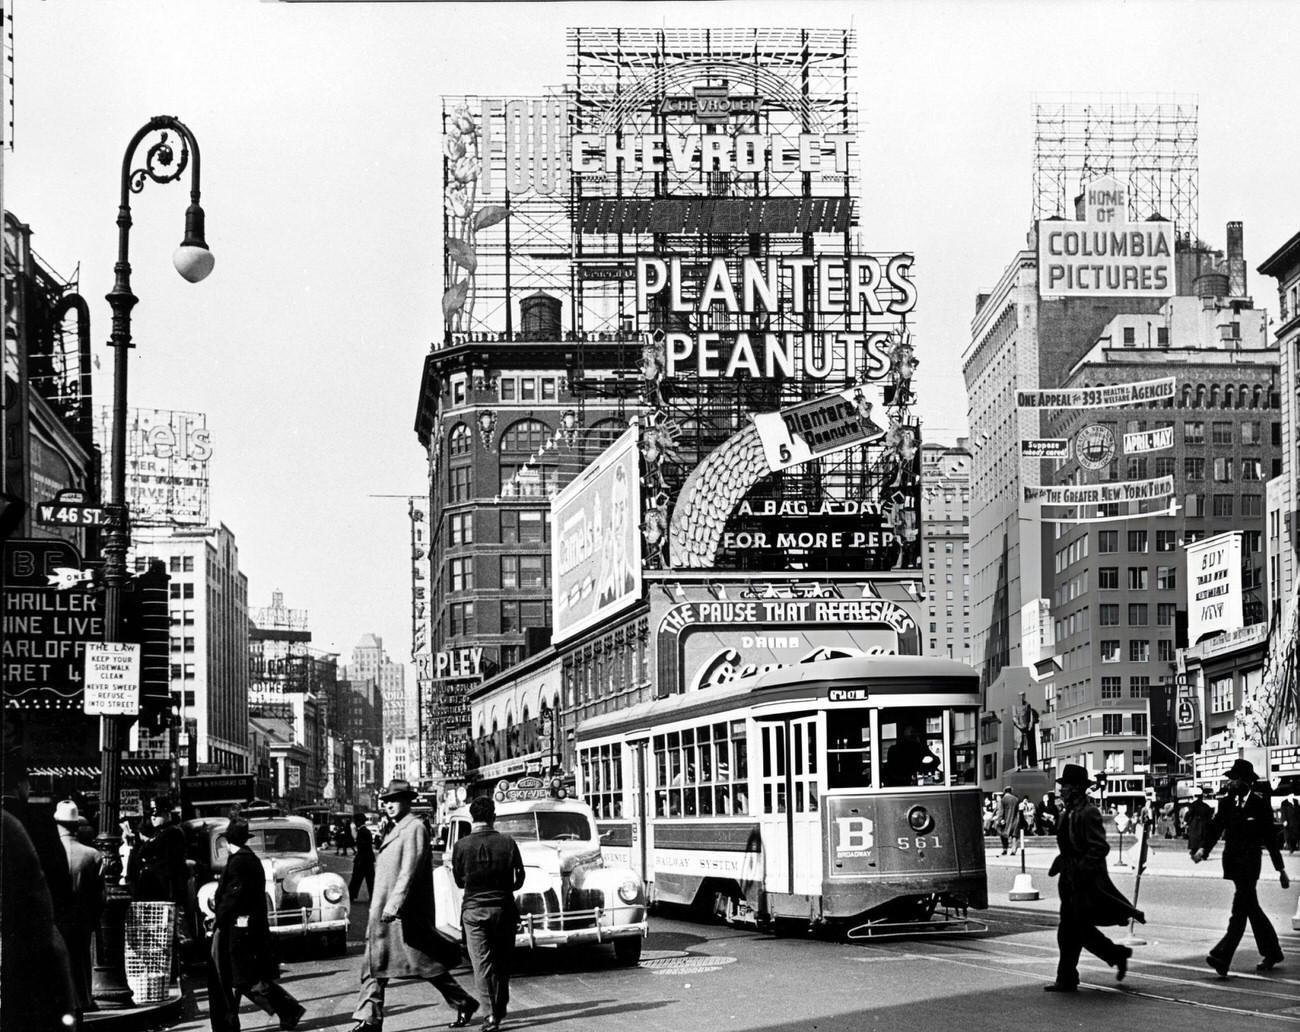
[135,1019]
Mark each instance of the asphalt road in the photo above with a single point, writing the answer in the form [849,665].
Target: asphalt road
[708,976]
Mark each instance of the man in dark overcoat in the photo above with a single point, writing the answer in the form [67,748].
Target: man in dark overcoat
[85,867]
[363,863]
[1245,823]
[1290,813]
[1088,897]
[1009,820]
[402,940]
[1199,816]
[242,961]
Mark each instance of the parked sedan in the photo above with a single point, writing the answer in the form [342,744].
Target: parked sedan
[303,899]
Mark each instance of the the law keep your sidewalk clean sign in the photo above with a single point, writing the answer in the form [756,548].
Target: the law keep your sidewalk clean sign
[112,678]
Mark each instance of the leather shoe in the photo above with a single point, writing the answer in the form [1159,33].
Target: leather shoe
[464,1014]
[1220,966]
[366,1026]
[289,1020]
[1060,987]
[1121,965]
[1269,963]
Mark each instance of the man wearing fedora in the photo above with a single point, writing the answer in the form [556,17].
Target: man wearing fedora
[85,866]
[1245,823]
[402,940]
[1088,897]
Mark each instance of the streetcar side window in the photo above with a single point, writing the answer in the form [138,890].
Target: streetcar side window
[701,771]
[965,731]
[602,779]
[912,742]
[848,748]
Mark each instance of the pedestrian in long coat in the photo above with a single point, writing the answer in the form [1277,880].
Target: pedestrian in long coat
[402,939]
[1245,823]
[1008,820]
[242,961]
[1290,813]
[1199,816]
[1089,898]
[85,867]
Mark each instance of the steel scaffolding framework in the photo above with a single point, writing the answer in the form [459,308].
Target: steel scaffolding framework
[1149,145]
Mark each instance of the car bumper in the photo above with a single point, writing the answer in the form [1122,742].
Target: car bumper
[308,921]
[596,926]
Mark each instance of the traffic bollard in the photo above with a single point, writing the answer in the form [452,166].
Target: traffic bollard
[1023,887]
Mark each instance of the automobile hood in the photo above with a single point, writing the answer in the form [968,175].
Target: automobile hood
[289,866]
[560,858]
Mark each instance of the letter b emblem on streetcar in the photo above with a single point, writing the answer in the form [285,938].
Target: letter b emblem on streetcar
[854,834]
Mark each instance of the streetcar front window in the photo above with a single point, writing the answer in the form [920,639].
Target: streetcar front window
[965,725]
[848,748]
[911,740]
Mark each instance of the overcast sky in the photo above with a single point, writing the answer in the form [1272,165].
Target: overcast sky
[319,130]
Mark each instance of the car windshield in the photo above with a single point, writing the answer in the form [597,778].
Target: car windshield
[545,826]
[270,841]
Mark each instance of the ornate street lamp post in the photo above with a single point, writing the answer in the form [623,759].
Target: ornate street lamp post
[193,261]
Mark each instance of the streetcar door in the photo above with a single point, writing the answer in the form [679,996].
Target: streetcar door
[788,805]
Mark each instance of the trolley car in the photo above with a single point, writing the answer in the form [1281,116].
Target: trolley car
[838,792]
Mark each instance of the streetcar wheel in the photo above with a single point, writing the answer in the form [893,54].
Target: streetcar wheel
[627,950]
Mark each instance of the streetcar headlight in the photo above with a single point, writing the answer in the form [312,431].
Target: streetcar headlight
[333,894]
[919,820]
[628,890]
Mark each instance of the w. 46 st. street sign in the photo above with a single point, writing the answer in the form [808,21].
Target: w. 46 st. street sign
[70,509]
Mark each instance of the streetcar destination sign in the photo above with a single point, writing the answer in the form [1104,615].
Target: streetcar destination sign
[848,694]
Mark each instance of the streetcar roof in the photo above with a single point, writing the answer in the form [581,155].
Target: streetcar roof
[794,678]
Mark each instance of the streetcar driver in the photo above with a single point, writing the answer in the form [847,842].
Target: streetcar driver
[908,761]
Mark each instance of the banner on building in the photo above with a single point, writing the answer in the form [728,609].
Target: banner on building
[1149,440]
[1102,494]
[1046,448]
[1143,392]
[596,541]
[1105,255]
[1171,510]
[417,509]
[816,428]
[1214,585]
[167,455]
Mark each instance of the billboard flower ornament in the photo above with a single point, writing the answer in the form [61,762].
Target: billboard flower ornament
[462,166]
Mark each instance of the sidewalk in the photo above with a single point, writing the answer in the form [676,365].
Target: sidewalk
[1165,857]
[143,1017]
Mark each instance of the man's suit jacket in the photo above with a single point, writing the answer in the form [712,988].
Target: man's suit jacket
[1245,823]
[241,893]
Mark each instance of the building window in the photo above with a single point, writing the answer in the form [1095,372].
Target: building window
[1250,433]
[1107,541]
[1252,469]
[1111,688]
[527,388]
[1110,650]
[461,526]
[458,391]
[1165,466]
[1223,470]
[1112,723]
[1221,433]
[508,389]
[1223,505]
[1137,467]
[1194,468]
[1221,695]
[460,441]
[1137,578]
[1140,724]
[461,574]
[1137,614]
[1130,336]
[510,616]
[460,618]
[1139,651]
[1162,336]
[1165,614]
[1108,614]
[1193,432]
[459,478]
[1114,761]
[1195,507]
[511,655]
[1252,505]
[1137,540]
[1166,540]
[527,526]
[1165,651]
[549,388]
[1108,578]
[1139,687]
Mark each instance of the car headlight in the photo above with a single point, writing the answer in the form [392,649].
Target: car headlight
[333,893]
[629,889]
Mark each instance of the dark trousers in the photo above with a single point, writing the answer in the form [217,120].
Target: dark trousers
[370,1001]
[224,992]
[490,942]
[1074,935]
[1246,908]
[362,874]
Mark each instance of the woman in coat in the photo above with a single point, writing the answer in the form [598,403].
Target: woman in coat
[1088,897]
[402,940]
[242,962]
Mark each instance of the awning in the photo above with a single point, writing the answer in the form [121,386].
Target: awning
[129,769]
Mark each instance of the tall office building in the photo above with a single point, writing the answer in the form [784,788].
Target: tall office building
[945,549]
[399,719]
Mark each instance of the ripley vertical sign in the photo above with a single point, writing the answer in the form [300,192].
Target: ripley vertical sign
[1213,585]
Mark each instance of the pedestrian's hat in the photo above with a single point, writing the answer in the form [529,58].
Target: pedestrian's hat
[398,788]
[1242,770]
[1073,774]
[67,813]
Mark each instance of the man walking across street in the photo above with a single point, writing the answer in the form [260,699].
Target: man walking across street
[1245,823]
[402,940]
[1088,897]
[1290,811]
[1008,819]
[363,863]
[1199,816]
[487,866]
[242,962]
[85,866]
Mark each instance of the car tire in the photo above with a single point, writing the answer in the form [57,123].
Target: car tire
[627,950]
